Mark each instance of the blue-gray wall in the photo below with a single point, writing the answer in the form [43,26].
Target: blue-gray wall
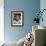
[43,6]
[30,7]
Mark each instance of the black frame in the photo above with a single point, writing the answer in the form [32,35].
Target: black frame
[21,18]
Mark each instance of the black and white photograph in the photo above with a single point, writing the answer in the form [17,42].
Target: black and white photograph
[17,18]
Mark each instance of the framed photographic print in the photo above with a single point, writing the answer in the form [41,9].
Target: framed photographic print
[17,18]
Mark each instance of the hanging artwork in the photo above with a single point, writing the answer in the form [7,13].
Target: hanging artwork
[17,18]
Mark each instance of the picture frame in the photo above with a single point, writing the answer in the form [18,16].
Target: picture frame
[17,18]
